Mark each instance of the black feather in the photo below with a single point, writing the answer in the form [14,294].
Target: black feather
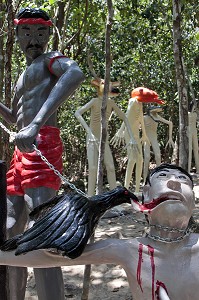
[11,244]
[67,222]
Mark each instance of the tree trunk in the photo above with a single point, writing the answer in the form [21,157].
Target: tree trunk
[103,137]
[8,73]
[105,98]
[59,24]
[181,85]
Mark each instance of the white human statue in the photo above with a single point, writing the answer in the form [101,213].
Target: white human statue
[151,121]
[135,117]
[161,265]
[93,131]
[193,137]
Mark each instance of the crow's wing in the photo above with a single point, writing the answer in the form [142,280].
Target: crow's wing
[70,223]
[57,228]
[42,209]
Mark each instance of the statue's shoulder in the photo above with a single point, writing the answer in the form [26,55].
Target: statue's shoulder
[52,54]
[55,56]
[47,57]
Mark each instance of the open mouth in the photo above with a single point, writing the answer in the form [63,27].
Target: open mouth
[115,90]
[155,202]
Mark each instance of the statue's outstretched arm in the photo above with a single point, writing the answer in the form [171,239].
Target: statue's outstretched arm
[101,252]
[78,115]
[119,136]
[81,111]
[170,142]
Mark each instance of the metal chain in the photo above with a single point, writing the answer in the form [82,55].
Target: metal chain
[12,134]
[186,232]
[164,228]
[169,240]
[63,179]
[72,186]
[168,229]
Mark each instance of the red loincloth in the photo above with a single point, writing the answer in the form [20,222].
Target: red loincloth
[28,170]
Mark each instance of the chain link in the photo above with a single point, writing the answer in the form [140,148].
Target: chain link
[168,229]
[186,232]
[164,228]
[12,134]
[63,179]
[169,240]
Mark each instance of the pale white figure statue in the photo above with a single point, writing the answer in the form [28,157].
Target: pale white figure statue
[135,113]
[151,121]
[193,136]
[163,264]
[136,120]
[94,131]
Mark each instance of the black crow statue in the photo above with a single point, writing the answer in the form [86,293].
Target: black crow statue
[66,222]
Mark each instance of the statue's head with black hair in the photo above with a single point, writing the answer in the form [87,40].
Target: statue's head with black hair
[36,14]
[32,32]
[164,166]
[28,12]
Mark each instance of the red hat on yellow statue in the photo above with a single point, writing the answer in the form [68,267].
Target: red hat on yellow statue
[146,95]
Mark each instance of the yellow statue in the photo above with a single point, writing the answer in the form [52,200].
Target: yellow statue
[135,117]
[151,121]
[193,137]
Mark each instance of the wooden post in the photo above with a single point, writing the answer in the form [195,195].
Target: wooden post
[181,85]
[87,270]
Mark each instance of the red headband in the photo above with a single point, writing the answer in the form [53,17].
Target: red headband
[32,21]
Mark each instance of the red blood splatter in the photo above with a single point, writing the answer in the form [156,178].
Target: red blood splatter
[151,253]
[140,260]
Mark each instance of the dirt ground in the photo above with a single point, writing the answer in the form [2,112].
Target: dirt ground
[107,281]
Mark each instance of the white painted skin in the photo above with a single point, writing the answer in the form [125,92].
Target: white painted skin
[93,131]
[135,158]
[144,260]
